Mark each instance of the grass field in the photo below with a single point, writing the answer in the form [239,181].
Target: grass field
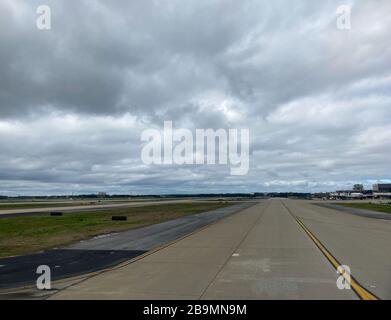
[368,206]
[28,234]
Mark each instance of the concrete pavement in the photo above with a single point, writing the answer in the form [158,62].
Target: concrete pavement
[360,242]
[105,251]
[258,253]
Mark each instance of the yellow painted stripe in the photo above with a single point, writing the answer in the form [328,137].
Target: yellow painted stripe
[363,293]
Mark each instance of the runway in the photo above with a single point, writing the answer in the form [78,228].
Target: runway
[262,252]
[105,251]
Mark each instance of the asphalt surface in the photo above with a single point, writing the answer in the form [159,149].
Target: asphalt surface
[356,211]
[262,252]
[104,251]
[21,271]
[154,235]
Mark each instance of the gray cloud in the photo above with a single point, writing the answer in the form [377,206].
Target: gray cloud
[74,100]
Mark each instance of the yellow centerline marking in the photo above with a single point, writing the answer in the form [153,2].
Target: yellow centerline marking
[363,293]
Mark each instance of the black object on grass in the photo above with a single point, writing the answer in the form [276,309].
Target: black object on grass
[119,218]
[56,214]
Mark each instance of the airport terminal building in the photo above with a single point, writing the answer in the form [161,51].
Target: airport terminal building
[382,191]
[382,188]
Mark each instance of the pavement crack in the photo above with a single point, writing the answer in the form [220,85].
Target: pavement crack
[236,248]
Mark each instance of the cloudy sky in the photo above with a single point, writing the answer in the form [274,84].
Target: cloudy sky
[75,99]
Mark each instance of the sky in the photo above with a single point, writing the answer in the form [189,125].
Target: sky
[75,99]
